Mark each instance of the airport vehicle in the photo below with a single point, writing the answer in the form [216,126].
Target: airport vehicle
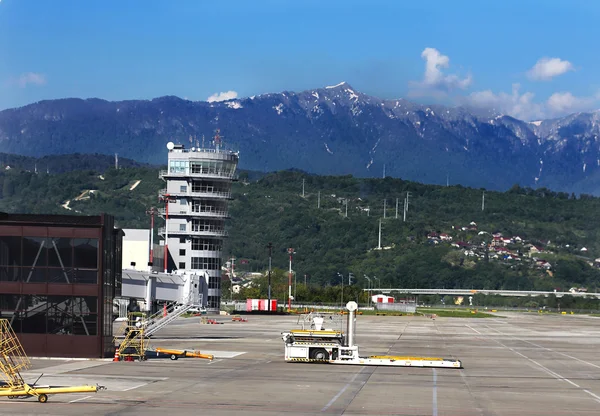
[13,360]
[333,346]
[175,354]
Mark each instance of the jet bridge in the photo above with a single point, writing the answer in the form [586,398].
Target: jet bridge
[179,292]
[150,288]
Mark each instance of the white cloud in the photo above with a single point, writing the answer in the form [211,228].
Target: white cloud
[27,78]
[514,104]
[222,96]
[564,102]
[548,68]
[435,82]
[522,106]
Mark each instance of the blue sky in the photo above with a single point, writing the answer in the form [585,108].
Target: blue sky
[531,59]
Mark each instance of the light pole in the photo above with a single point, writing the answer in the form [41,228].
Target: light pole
[291,252]
[369,300]
[270,247]
[342,279]
[378,281]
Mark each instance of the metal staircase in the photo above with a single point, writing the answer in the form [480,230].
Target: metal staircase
[134,344]
[160,319]
[137,331]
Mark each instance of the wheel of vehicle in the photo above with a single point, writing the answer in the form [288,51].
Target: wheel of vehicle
[319,354]
[174,357]
[11,397]
[42,398]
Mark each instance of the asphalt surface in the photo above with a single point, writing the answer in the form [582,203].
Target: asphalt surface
[517,364]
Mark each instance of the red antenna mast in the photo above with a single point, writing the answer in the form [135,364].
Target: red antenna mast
[152,211]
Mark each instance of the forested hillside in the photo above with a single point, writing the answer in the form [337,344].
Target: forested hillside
[65,163]
[522,239]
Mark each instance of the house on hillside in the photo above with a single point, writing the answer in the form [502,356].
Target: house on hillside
[497,241]
[543,264]
[461,244]
[533,249]
[445,237]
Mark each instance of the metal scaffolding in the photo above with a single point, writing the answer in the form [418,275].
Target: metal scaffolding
[13,360]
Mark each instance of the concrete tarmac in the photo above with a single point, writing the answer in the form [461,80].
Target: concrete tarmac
[515,364]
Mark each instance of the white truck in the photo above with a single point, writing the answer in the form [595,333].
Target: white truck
[328,345]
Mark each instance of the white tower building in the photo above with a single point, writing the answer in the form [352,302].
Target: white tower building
[196,207]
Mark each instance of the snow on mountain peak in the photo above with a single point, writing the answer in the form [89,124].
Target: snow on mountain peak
[234,104]
[337,85]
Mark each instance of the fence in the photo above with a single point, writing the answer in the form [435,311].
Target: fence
[397,307]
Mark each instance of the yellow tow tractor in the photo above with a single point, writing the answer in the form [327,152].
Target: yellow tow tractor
[13,360]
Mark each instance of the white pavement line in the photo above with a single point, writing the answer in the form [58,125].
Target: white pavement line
[550,372]
[548,349]
[215,361]
[470,327]
[103,376]
[135,387]
[546,369]
[337,396]
[80,399]
[434,400]
[592,394]
[561,353]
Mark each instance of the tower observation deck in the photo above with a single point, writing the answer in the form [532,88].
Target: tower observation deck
[197,194]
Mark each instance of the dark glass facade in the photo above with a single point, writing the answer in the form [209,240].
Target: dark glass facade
[58,277]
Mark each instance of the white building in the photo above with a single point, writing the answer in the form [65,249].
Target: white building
[198,190]
[136,249]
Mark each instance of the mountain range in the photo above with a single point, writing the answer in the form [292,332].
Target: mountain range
[334,130]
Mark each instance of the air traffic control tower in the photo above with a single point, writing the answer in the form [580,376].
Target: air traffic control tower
[196,206]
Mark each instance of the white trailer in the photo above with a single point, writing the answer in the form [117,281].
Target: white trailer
[334,347]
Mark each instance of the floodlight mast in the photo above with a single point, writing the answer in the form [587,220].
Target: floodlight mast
[291,252]
[270,247]
[167,199]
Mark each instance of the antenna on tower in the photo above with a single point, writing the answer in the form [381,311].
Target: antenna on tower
[203,141]
[217,139]
[116,161]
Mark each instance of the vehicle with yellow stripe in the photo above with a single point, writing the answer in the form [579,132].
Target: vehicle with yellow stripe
[321,345]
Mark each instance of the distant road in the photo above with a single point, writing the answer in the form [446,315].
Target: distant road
[481,291]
